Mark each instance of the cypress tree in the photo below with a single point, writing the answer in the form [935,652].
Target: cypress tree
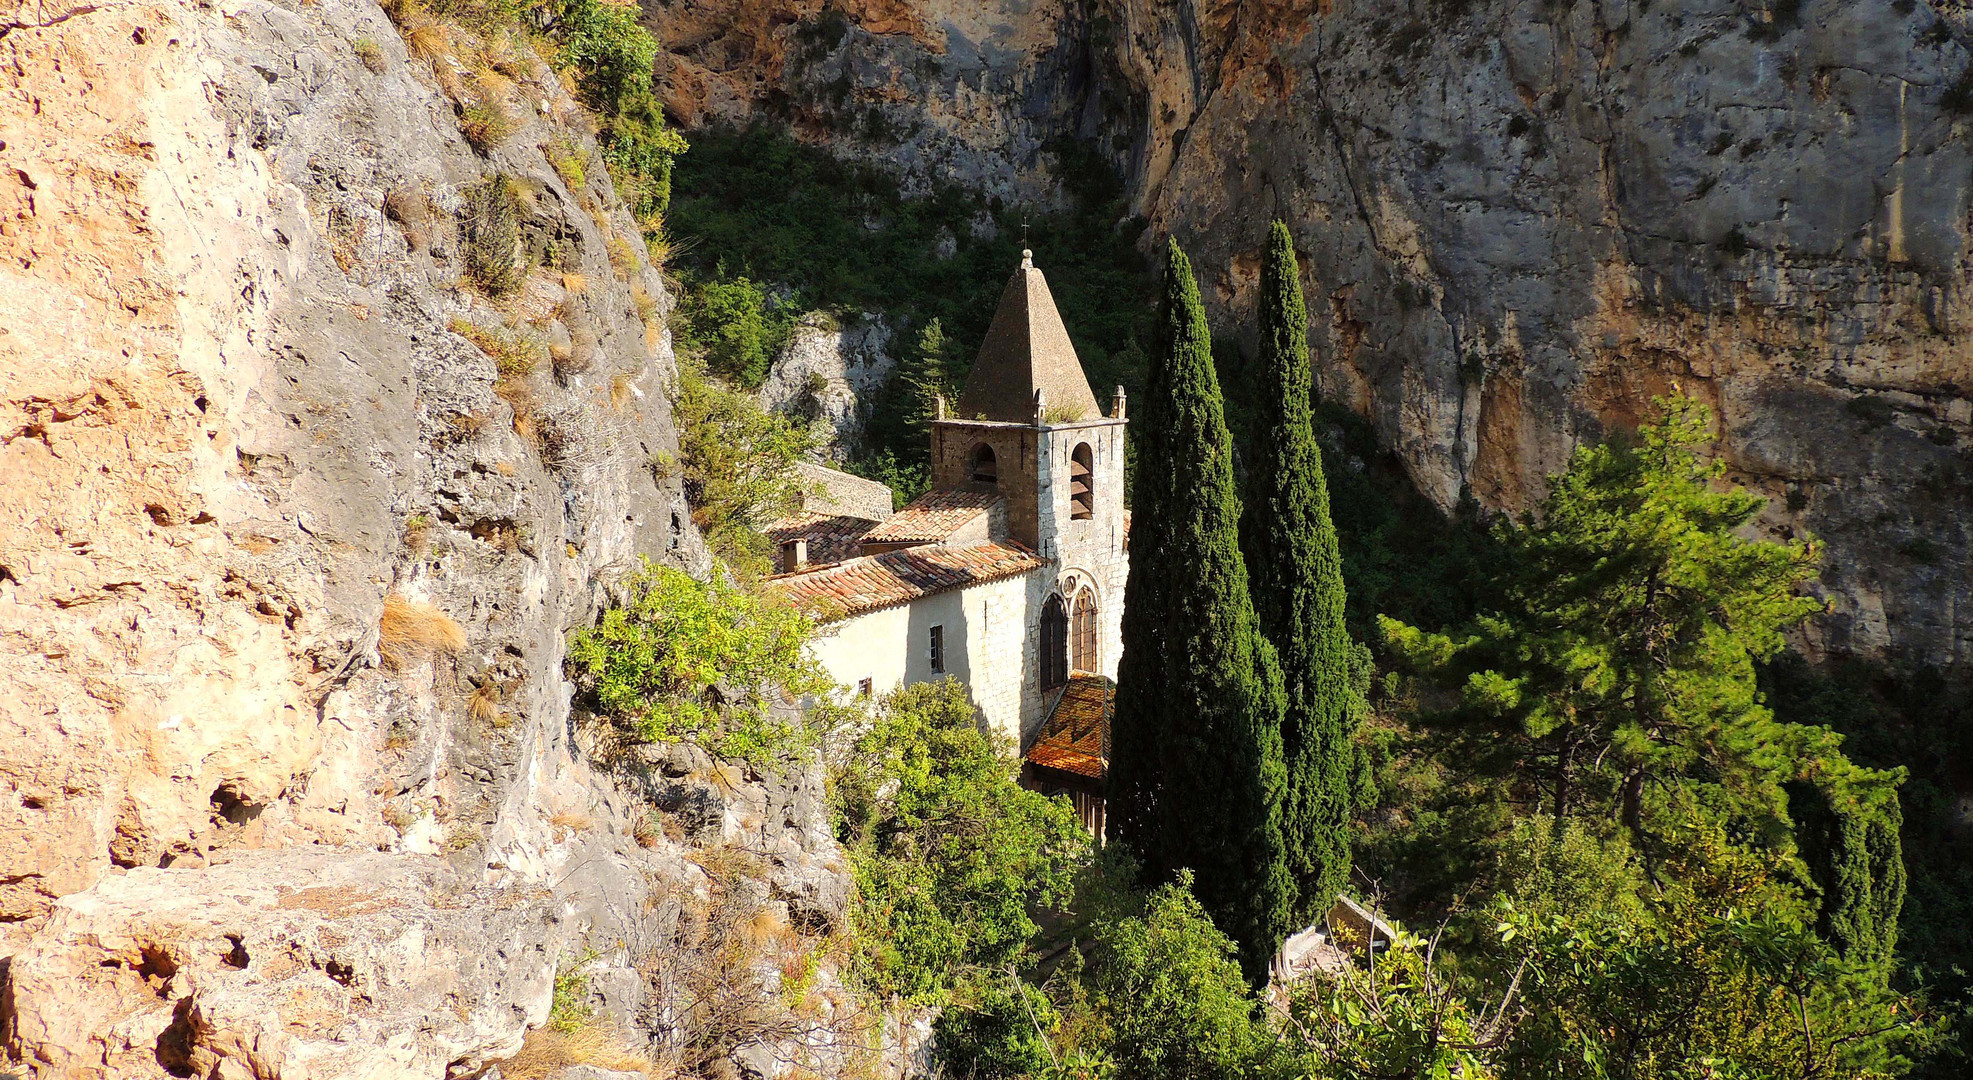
[1296,575]
[1196,743]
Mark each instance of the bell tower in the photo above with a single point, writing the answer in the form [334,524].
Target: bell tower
[1027,426]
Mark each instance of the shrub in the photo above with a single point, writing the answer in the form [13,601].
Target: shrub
[515,354]
[569,1011]
[681,660]
[1002,1031]
[566,158]
[1177,1004]
[486,125]
[611,56]
[739,467]
[490,223]
[949,851]
[729,322]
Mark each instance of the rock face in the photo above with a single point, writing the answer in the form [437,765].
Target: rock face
[1519,221]
[294,522]
[831,372]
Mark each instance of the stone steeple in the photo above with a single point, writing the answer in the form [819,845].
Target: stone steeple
[1027,352]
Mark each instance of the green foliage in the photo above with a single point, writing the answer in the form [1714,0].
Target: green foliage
[1899,716]
[703,662]
[739,467]
[949,851]
[1624,659]
[1401,1017]
[1171,989]
[1001,1030]
[1295,568]
[1196,776]
[1849,837]
[733,326]
[1738,991]
[612,54]
[1689,988]
[905,410]
[569,1010]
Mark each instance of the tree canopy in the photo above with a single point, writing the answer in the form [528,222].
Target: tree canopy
[1295,569]
[1197,775]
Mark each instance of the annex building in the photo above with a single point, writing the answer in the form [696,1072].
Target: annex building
[1009,574]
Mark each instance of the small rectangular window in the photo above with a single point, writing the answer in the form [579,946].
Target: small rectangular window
[938,650]
[863,688]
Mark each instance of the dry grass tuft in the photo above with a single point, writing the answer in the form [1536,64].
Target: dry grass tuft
[526,425]
[621,391]
[486,125]
[484,703]
[411,207]
[568,822]
[470,424]
[563,357]
[623,258]
[546,1050]
[515,354]
[575,284]
[493,85]
[426,39]
[410,628]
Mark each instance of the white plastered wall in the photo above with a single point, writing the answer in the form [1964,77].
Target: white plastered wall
[986,631]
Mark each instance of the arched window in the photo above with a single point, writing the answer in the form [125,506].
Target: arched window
[1082,483]
[984,469]
[1054,644]
[1082,651]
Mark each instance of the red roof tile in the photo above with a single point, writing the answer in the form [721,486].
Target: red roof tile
[1076,736]
[932,517]
[873,582]
[831,537]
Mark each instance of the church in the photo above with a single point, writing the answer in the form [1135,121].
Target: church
[1008,575]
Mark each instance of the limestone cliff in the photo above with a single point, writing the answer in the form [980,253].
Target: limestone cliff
[1519,220]
[289,785]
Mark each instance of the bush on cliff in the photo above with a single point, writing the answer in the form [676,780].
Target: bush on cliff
[705,662]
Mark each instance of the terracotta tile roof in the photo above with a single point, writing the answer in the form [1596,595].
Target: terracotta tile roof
[1076,736]
[831,537]
[932,517]
[1026,349]
[873,582]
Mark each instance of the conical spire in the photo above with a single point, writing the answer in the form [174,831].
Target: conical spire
[1026,350]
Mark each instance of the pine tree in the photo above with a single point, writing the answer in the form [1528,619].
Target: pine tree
[925,375]
[1296,574]
[1196,744]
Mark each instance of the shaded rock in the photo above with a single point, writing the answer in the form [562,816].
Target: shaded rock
[831,372]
